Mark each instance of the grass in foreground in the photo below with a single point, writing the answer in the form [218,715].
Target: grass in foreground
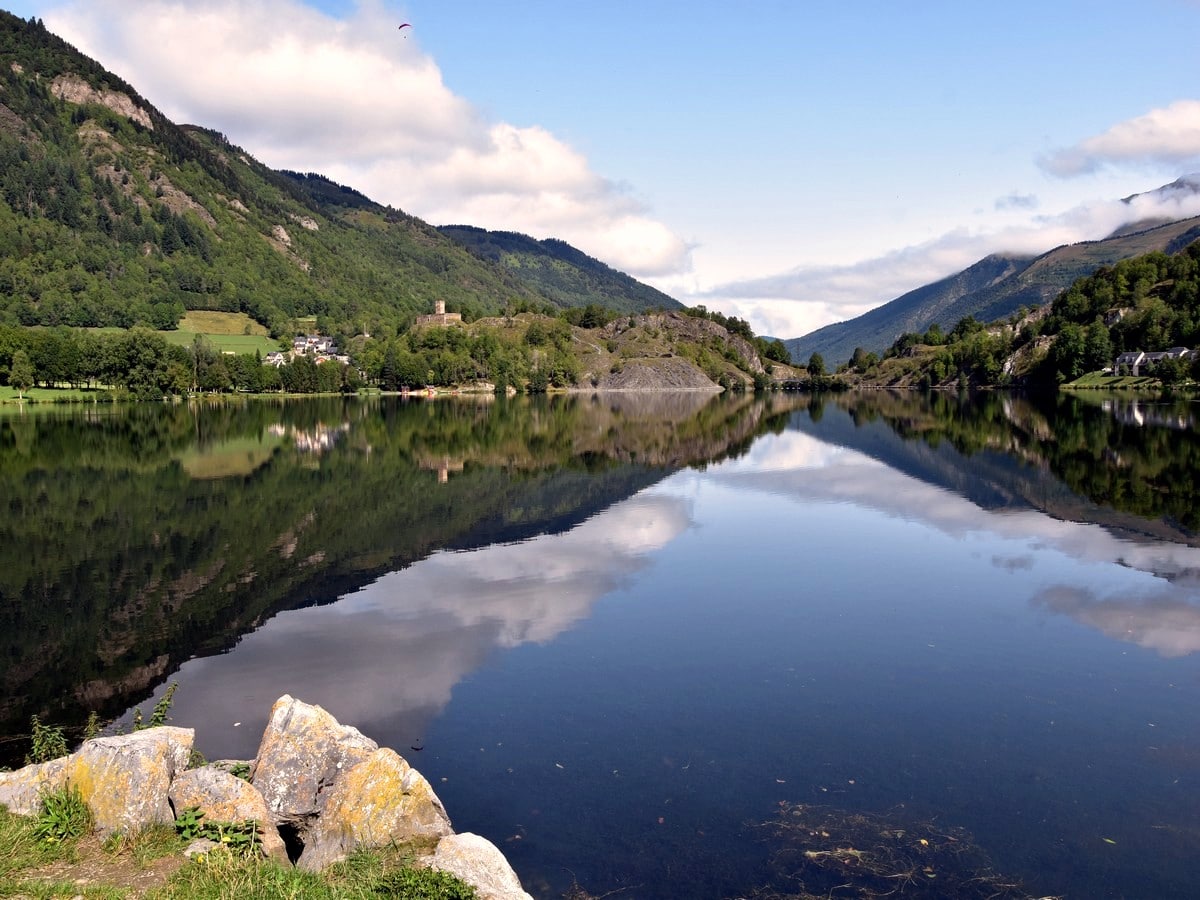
[150,866]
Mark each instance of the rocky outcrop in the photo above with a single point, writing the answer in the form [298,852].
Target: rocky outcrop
[674,374]
[380,801]
[318,789]
[477,861]
[74,89]
[21,791]
[303,752]
[124,780]
[226,798]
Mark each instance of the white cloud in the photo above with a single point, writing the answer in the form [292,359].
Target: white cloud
[352,101]
[800,300]
[1166,136]
[1017,200]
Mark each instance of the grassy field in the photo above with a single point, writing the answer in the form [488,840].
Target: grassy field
[227,332]
[200,321]
[1100,380]
[224,343]
[53,395]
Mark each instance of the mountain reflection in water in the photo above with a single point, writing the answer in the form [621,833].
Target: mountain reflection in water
[627,630]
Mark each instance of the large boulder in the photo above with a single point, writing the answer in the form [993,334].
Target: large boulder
[303,753]
[21,791]
[124,779]
[479,863]
[381,801]
[222,797]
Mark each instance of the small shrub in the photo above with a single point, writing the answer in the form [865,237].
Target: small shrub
[92,728]
[240,838]
[47,742]
[64,817]
[159,715]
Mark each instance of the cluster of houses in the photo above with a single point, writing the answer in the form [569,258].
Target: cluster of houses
[323,349]
[1134,361]
[316,346]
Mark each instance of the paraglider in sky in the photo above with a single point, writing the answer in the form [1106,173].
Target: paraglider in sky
[406,25]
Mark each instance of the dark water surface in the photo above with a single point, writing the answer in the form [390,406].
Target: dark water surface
[625,631]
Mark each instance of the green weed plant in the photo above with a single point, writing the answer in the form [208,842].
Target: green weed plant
[65,816]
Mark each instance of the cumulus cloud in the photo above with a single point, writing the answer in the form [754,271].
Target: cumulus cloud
[1167,136]
[300,90]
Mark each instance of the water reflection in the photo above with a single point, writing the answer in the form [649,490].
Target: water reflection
[135,538]
[1166,618]
[1167,621]
[386,657]
[675,614]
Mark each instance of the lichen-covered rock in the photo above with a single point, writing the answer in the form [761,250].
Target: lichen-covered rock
[225,798]
[375,803]
[124,779]
[21,791]
[478,862]
[304,751]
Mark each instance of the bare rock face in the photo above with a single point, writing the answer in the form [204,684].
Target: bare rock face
[675,374]
[225,798]
[478,862]
[74,89]
[125,779]
[303,753]
[21,791]
[380,801]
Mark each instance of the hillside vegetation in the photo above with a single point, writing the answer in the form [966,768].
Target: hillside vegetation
[587,347]
[111,215]
[996,287]
[1149,303]
[566,275]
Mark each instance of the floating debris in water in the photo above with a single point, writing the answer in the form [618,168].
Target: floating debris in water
[819,849]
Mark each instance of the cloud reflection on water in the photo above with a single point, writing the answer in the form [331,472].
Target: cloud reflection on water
[1164,622]
[387,657]
[1168,622]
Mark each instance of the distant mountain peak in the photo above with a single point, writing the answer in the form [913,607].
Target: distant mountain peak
[1184,184]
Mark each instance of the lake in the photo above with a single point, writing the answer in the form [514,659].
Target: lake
[666,646]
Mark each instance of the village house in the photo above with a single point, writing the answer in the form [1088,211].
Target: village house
[1133,361]
[313,344]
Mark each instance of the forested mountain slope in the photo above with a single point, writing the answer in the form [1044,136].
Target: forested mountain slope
[993,288]
[566,275]
[112,215]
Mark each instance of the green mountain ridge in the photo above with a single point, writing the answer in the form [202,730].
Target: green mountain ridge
[566,275]
[112,215]
[991,289]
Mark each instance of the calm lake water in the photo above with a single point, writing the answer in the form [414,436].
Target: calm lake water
[630,633]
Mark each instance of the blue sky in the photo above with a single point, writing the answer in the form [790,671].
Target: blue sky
[792,163]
